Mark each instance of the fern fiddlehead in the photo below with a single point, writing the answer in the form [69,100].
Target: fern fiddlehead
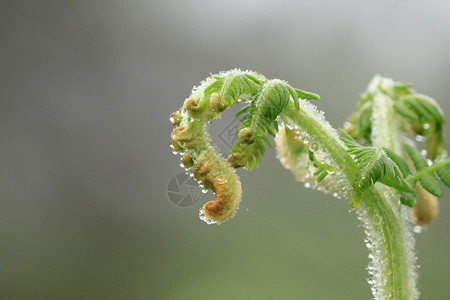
[267,99]
[373,164]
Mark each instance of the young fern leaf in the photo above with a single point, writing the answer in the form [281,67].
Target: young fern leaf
[444,171]
[365,123]
[421,107]
[270,101]
[404,111]
[425,173]
[444,174]
[233,84]
[207,101]
[314,152]
[322,169]
[422,114]
[401,163]
[374,166]
[306,95]
[425,117]
[261,115]
[408,199]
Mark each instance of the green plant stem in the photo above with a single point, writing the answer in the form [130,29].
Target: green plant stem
[390,244]
[320,130]
[388,224]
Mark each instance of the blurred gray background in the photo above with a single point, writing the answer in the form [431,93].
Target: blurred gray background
[86,90]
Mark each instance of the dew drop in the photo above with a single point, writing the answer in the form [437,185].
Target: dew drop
[426,126]
[417,229]
[202,217]
[420,138]
[204,191]
[221,180]
[307,185]
[174,152]
[347,125]
[173,120]
[330,168]
[313,147]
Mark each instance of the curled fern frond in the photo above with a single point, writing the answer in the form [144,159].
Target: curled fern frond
[374,166]
[421,114]
[425,118]
[260,120]
[360,122]
[417,106]
[209,168]
[207,101]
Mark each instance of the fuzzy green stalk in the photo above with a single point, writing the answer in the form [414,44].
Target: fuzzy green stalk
[387,224]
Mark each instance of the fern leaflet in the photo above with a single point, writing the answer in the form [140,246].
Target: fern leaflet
[425,173]
[374,166]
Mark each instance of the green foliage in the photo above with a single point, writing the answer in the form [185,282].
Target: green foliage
[424,117]
[400,162]
[232,85]
[268,99]
[306,95]
[374,166]
[267,104]
[419,107]
[408,199]
[364,121]
[443,171]
[346,167]
[425,173]
[322,169]
[422,114]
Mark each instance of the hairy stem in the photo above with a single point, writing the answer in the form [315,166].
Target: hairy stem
[390,244]
[387,225]
[321,130]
